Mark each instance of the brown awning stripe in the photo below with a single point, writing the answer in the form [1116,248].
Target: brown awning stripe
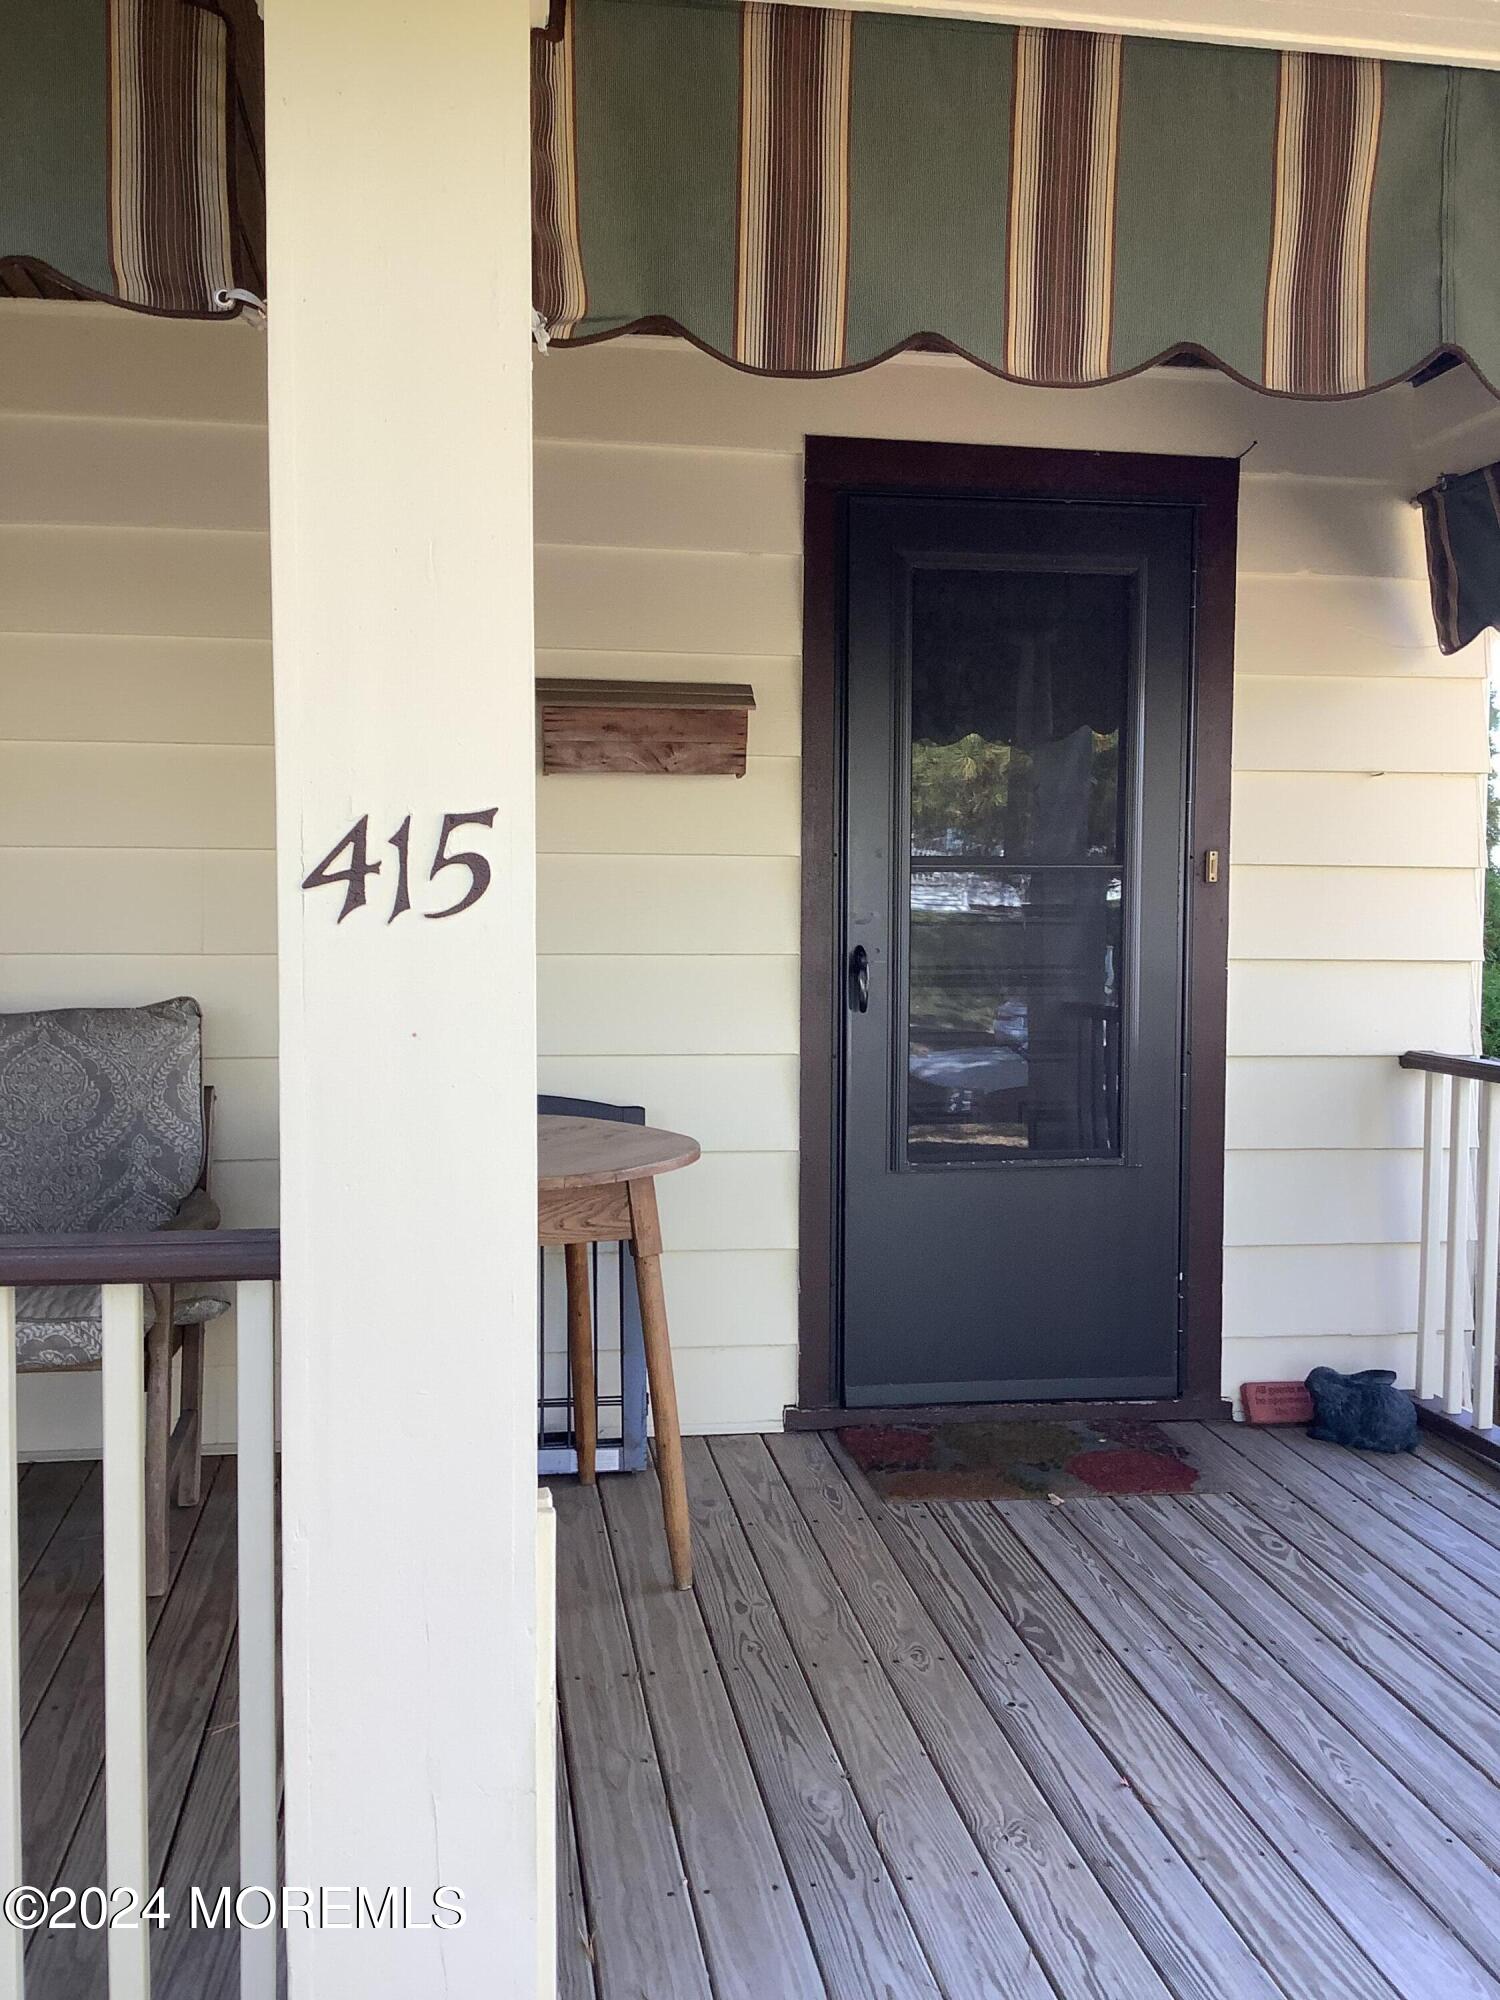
[559,291]
[1065,131]
[1327,142]
[792,231]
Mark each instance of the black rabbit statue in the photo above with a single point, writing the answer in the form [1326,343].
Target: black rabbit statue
[1365,1411]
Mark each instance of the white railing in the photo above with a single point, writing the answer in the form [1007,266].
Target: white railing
[1460,1244]
[247,1260]
[546,1743]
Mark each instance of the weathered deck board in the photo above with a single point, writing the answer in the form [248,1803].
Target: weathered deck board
[752,1932]
[972,1941]
[1479,1475]
[1470,1728]
[1421,1473]
[62,1751]
[1211,1746]
[46,1493]
[864,1943]
[575,1944]
[190,1637]
[1080,1937]
[1454,1647]
[1465,1798]
[1197,1745]
[203,1964]
[1199,1807]
[1438,1577]
[59,1588]
[1381,1487]
[645,1931]
[1183,1931]
[1362,1816]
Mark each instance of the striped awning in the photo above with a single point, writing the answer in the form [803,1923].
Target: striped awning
[803,191]
[130,166]
[1462,519]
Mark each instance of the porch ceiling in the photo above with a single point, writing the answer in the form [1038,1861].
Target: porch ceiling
[1466,34]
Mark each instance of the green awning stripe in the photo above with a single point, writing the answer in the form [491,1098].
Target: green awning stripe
[54,137]
[129,155]
[804,190]
[929,171]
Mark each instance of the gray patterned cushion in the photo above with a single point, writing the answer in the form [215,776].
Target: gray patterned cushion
[101,1129]
[62,1326]
[101,1116]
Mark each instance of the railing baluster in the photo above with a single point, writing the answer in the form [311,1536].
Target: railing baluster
[546,1733]
[1456,1292]
[126,1820]
[13,1941]
[1487,1274]
[121,1265]
[256,1462]
[1429,1371]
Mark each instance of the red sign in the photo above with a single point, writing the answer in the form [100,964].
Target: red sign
[1276,1403]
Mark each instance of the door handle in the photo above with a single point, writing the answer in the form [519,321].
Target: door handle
[859,980]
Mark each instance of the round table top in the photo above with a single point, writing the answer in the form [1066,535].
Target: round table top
[595,1152]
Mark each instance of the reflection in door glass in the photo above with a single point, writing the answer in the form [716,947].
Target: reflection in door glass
[1018,693]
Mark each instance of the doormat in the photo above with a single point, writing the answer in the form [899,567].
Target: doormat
[1021,1461]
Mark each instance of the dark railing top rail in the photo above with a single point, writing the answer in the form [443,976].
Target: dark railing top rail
[158,1257]
[1484,1069]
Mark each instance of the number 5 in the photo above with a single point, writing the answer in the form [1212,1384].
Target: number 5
[477,865]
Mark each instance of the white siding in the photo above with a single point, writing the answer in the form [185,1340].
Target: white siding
[135,721]
[669,524]
[136,789]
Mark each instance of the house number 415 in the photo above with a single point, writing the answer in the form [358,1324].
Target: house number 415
[359,867]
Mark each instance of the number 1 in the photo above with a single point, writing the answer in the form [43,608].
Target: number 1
[401,841]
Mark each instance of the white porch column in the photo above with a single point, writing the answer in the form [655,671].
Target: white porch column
[400,362]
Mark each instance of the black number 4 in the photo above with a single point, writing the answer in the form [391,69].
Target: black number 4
[361,867]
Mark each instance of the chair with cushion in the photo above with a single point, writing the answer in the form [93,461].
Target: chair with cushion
[104,1128]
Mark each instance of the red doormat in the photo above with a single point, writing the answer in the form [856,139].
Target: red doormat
[1020,1461]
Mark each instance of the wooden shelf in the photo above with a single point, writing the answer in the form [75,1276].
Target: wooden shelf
[665,728]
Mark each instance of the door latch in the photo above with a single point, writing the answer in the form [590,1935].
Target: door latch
[1211,865]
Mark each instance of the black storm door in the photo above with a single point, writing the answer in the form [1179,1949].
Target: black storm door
[1018,706]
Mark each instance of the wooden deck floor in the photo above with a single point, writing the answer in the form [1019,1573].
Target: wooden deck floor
[1238,1745]
[192,1697]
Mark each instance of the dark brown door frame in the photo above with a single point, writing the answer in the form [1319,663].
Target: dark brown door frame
[836,468]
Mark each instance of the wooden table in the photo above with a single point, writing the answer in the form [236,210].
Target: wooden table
[596,1183]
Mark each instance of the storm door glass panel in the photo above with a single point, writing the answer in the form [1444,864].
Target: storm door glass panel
[1019,688]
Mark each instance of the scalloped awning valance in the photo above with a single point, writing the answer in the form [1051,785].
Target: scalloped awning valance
[130,163]
[803,191]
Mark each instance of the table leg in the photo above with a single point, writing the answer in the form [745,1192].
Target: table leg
[645,1245]
[581,1359]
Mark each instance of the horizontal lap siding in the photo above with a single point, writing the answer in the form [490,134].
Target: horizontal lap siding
[1356,906]
[669,522]
[136,790]
[136,782]
[1355,920]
